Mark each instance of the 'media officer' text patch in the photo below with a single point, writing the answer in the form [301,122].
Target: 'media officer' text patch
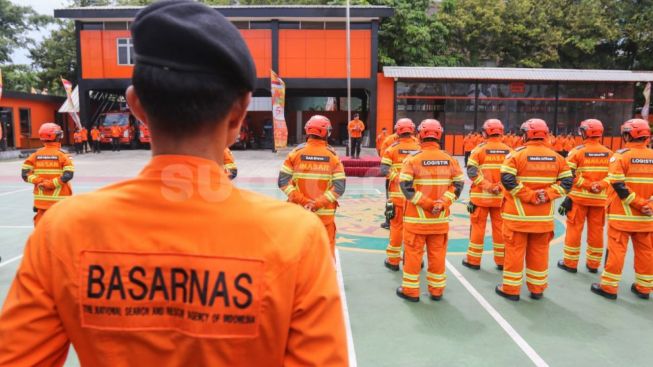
[314,158]
[201,296]
[534,158]
[433,163]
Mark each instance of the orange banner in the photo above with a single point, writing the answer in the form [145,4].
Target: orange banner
[278,104]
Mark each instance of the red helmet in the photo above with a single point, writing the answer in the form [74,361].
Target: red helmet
[50,132]
[318,125]
[636,128]
[430,128]
[534,129]
[591,128]
[493,127]
[404,126]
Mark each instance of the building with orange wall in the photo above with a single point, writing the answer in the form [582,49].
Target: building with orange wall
[22,114]
[305,45]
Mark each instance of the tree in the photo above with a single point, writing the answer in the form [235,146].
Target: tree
[15,21]
[20,78]
[56,56]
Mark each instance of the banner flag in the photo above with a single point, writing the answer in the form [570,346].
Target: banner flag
[68,86]
[278,88]
[647,101]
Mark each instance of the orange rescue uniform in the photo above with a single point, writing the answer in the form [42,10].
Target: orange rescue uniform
[49,169]
[356,128]
[84,133]
[312,172]
[589,162]
[229,164]
[528,226]
[379,143]
[227,278]
[426,177]
[483,169]
[391,164]
[631,176]
[116,131]
[95,134]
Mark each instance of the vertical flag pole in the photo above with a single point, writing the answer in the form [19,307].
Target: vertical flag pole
[348,36]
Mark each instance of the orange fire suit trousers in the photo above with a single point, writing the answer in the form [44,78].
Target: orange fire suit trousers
[595,217]
[436,252]
[38,216]
[331,232]
[535,248]
[617,247]
[393,251]
[477,235]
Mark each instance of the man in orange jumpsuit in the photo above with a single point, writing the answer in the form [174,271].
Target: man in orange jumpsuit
[630,212]
[192,270]
[355,128]
[116,133]
[468,146]
[558,144]
[486,195]
[379,141]
[587,199]
[431,180]
[533,175]
[568,145]
[77,141]
[229,164]
[95,137]
[391,167]
[49,169]
[313,176]
[85,147]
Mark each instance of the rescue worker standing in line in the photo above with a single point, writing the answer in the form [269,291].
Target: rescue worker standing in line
[630,212]
[391,164]
[533,175]
[193,271]
[486,195]
[313,176]
[95,137]
[77,141]
[379,141]
[49,169]
[116,133]
[587,199]
[356,128]
[85,147]
[229,164]
[431,180]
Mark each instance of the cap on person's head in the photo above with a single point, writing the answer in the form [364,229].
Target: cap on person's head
[189,37]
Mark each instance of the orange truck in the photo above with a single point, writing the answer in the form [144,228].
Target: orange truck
[135,132]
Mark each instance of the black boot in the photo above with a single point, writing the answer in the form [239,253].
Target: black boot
[385,225]
[596,288]
[391,266]
[638,293]
[591,270]
[512,297]
[536,296]
[471,266]
[400,294]
[500,267]
[561,265]
[436,298]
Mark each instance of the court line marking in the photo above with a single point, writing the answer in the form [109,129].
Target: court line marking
[514,335]
[10,260]
[16,227]
[345,310]
[15,191]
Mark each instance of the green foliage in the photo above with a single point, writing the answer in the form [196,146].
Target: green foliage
[15,21]
[56,57]
[20,78]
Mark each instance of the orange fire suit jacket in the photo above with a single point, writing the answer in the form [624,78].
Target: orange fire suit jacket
[95,134]
[391,164]
[77,137]
[426,177]
[631,178]
[116,131]
[589,164]
[483,168]
[469,142]
[528,169]
[313,172]
[51,164]
[379,142]
[229,164]
[356,128]
[194,272]
[84,133]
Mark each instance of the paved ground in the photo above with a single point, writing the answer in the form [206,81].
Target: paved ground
[471,326]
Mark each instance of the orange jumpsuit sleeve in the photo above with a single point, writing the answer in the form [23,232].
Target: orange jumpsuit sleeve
[406,179]
[510,167]
[338,183]
[564,181]
[27,171]
[31,332]
[457,183]
[474,170]
[317,334]
[617,176]
[286,183]
[386,164]
[573,161]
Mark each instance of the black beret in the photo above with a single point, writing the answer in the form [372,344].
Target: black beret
[187,36]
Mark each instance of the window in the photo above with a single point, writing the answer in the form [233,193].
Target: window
[115,26]
[241,24]
[25,118]
[91,26]
[125,51]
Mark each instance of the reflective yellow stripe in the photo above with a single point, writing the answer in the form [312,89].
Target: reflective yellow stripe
[432,182]
[330,196]
[397,165]
[69,168]
[572,165]
[630,218]
[311,176]
[31,178]
[512,282]
[511,274]
[607,282]
[339,176]
[440,284]
[471,162]
[49,198]
[580,181]
[589,195]
[516,190]
[458,178]
[414,220]
[527,218]
[27,166]
[450,195]
[520,207]
[531,179]
[485,195]
[610,275]
[537,273]
[564,174]
[616,177]
[230,166]
[398,195]
[415,200]
[506,169]
[592,169]
[39,171]
[405,284]
[476,245]
[386,161]
[411,276]
[644,277]
[647,180]
[559,189]
[491,166]
[629,199]
[405,177]
[325,212]
[289,189]
[536,281]
[286,169]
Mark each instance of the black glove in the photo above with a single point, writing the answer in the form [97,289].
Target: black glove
[565,207]
[471,208]
[389,210]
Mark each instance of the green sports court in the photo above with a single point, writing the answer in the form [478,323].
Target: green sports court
[471,326]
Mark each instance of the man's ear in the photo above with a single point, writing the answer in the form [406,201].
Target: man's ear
[135,105]
[236,117]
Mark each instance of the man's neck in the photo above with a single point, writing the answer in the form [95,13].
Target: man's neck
[202,146]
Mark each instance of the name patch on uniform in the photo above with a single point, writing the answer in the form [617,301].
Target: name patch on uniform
[496,151]
[201,296]
[47,158]
[641,161]
[406,151]
[597,155]
[315,158]
[432,163]
[535,158]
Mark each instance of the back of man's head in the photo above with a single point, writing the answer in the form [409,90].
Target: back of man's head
[191,65]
